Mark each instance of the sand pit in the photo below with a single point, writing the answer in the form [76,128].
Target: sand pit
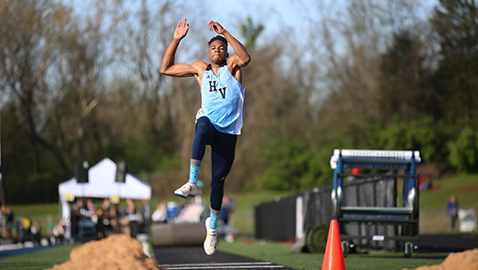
[466,260]
[114,252]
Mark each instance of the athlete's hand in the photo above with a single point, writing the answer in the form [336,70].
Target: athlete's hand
[181,30]
[215,26]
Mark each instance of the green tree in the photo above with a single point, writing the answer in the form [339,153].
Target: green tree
[404,88]
[423,134]
[464,150]
[456,79]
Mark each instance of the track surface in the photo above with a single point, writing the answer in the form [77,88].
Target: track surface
[446,242]
[7,250]
[193,257]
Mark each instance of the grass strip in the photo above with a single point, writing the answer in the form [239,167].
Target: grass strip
[279,253]
[42,259]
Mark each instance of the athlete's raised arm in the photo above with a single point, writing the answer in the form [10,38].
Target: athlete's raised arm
[168,67]
[242,57]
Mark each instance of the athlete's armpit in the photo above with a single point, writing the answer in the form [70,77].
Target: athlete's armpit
[180,70]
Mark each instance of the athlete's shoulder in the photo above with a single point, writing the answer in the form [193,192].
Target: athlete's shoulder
[199,65]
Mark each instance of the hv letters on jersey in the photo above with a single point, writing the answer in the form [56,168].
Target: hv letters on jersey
[213,88]
[222,100]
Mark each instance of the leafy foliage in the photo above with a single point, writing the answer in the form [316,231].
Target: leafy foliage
[422,134]
[293,164]
[464,150]
[456,79]
[285,162]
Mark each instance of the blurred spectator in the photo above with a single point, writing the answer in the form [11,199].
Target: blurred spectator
[130,207]
[86,226]
[9,213]
[145,211]
[426,184]
[91,210]
[160,215]
[115,215]
[75,218]
[130,226]
[58,232]
[9,221]
[103,226]
[452,211]
[226,209]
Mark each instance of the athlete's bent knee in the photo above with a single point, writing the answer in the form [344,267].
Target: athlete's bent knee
[202,125]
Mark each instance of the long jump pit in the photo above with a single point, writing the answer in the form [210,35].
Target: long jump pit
[117,251]
[466,260]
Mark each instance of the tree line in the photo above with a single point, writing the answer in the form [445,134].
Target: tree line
[365,74]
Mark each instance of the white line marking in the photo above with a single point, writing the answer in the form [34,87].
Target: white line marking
[239,265]
[205,264]
[224,267]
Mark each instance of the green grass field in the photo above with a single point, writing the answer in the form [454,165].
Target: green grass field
[432,220]
[279,253]
[42,259]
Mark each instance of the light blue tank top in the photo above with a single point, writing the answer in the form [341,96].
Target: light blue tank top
[222,100]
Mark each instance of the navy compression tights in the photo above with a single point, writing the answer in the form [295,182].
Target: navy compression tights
[223,147]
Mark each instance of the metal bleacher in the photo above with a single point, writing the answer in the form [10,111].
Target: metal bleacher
[368,219]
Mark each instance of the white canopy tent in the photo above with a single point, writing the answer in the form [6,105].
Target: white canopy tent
[102,184]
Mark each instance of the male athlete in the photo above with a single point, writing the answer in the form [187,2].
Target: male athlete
[220,119]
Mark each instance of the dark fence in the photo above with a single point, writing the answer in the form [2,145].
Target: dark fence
[277,220]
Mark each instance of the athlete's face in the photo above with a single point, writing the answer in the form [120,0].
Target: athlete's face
[217,52]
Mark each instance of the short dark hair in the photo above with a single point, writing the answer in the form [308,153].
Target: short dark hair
[221,38]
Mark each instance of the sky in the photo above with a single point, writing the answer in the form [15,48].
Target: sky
[277,16]
[274,15]
[283,20]
[230,14]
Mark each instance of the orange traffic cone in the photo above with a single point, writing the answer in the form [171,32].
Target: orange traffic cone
[334,256]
